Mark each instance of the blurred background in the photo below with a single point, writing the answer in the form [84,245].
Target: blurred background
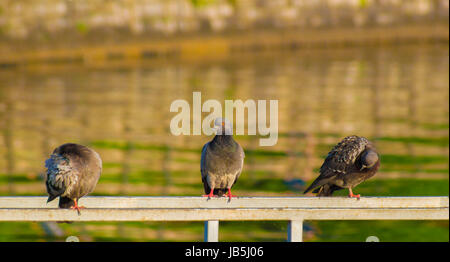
[104,73]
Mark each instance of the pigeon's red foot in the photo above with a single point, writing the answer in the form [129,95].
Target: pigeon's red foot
[229,195]
[211,194]
[351,195]
[77,207]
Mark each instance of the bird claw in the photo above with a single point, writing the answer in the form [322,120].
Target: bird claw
[230,196]
[78,208]
[210,196]
[357,196]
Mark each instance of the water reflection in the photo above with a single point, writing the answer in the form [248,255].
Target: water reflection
[397,96]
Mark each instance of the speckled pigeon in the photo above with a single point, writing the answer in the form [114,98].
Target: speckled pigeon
[72,172]
[349,163]
[222,161]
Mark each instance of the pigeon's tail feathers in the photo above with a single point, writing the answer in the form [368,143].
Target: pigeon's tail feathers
[308,189]
[323,191]
[326,190]
[318,182]
[51,198]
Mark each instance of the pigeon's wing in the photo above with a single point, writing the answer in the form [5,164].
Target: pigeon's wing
[203,166]
[241,163]
[61,176]
[345,153]
[203,169]
[340,160]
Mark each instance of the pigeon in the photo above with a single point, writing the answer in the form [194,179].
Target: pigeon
[349,163]
[73,171]
[221,162]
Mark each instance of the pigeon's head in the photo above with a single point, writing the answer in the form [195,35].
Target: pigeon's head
[368,158]
[223,126]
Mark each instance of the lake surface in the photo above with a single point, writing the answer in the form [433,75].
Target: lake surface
[396,96]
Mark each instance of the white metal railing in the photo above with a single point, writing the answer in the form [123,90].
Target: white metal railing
[292,209]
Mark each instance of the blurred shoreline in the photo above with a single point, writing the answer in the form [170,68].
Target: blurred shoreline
[216,46]
[67,31]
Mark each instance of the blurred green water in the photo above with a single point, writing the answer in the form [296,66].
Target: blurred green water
[396,96]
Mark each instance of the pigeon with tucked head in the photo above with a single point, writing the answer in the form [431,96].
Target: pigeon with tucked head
[72,172]
[349,163]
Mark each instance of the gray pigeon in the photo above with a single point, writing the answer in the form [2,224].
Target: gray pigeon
[72,172]
[222,161]
[349,163]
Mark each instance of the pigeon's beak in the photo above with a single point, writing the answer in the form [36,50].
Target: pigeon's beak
[363,166]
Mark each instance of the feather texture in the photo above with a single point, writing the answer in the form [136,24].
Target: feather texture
[72,172]
[344,166]
[221,164]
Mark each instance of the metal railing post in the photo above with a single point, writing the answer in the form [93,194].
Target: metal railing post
[295,231]
[211,231]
